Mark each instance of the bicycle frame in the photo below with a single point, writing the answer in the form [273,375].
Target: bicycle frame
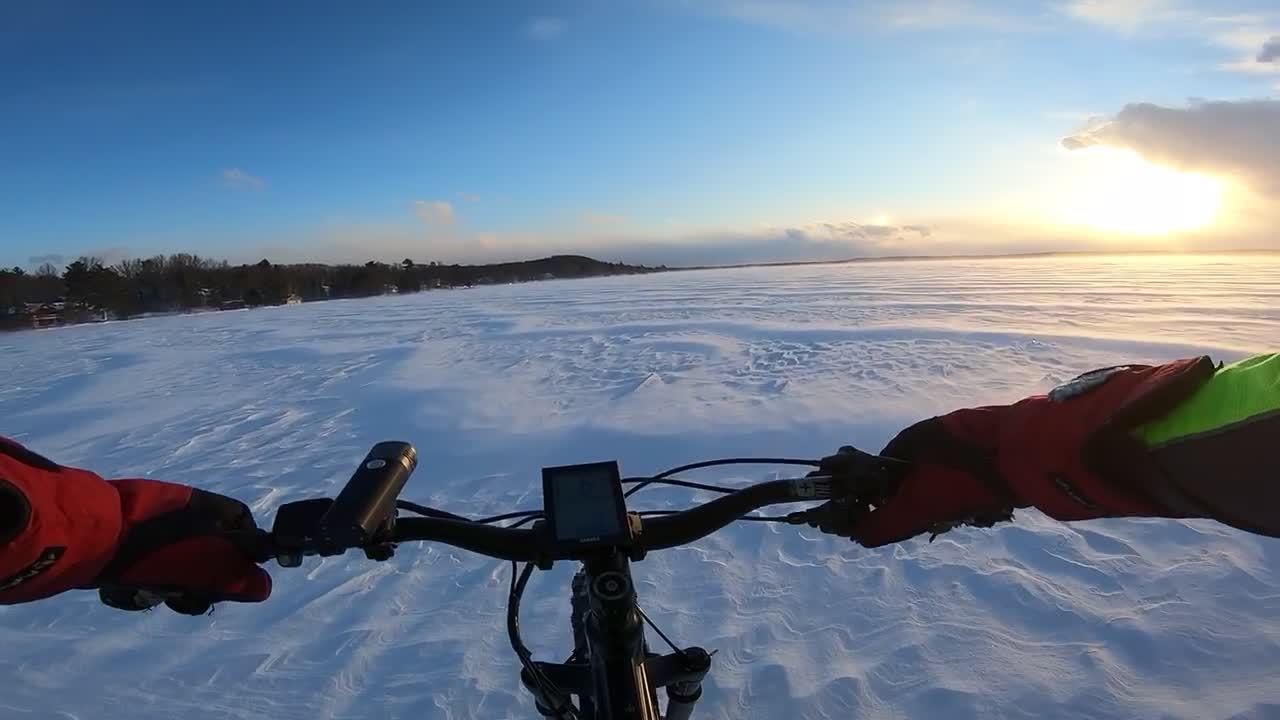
[611,670]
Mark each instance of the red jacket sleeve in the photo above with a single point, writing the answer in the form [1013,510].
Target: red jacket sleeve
[58,526]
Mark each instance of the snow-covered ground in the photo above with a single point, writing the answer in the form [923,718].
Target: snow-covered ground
[1112,619]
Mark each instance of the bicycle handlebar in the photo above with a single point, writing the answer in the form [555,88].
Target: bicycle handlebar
[615,676]
[363,516]
[535,544]
[517,544]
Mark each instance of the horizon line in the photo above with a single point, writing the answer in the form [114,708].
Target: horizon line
[760,263]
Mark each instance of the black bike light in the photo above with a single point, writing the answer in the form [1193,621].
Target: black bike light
[368,500]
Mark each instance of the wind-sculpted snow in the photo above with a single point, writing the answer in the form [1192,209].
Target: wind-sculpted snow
[1114,619]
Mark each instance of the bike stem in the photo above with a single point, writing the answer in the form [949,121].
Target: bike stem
[615,636]
[612,672]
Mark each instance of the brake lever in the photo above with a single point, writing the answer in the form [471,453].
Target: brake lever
[258,544]
[862,476]
[855,481]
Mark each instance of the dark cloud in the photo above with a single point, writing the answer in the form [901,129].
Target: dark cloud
[51,258]
[1225,137]
[105,255]
[1270,51]
[857,232]
[1075,143]
[791,244]
[822,241]
[863,233]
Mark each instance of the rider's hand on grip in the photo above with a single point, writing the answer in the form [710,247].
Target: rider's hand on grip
[848,506]
[1072,454]
[940,480]
[138,542]
[178,549]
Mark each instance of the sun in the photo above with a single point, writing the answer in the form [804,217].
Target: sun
[1118,192]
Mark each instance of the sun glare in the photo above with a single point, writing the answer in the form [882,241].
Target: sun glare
[1119,192]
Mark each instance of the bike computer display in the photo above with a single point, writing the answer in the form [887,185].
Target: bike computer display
[584,506]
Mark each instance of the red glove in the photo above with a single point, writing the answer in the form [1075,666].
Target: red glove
[140,542]
[1070,454]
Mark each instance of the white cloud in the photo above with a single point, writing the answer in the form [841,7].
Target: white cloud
[1235,139]
[933,14]
[468,197]
[545,28]
[238,179]
[434,212]
[840,16]
[1126,15]
[599,221]
[1251,67]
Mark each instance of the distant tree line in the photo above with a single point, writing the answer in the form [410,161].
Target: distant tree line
[90,289]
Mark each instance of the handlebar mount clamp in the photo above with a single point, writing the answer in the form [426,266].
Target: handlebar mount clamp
[363,515]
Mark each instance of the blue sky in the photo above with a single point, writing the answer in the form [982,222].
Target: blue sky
[699,131]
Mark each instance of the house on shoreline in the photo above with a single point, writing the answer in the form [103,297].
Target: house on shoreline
[52,314]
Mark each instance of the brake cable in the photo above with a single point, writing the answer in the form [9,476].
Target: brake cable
[675,482]
[644,616]
[516,593]
[428,511]
[522,515]
[744,518]
[713,463]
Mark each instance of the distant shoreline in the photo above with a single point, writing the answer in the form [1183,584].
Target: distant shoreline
[984,256]
[90,291]
[414,278]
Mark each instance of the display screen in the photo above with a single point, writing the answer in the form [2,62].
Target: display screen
[584,501]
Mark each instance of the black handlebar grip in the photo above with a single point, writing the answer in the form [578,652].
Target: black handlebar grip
[369,498]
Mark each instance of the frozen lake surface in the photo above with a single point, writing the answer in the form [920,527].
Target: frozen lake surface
[1105,619]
